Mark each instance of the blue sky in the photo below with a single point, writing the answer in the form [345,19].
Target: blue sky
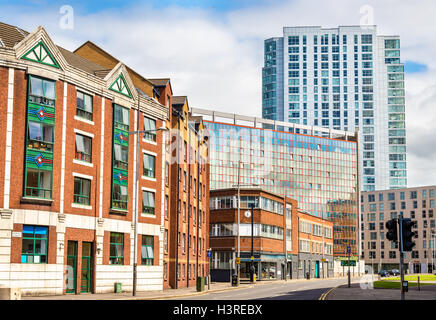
[98,5]
[414,67]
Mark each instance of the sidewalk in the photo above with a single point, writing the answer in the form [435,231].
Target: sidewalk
[355,292]
[144,295]
[167,293]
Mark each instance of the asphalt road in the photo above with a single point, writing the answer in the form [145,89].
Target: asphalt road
[292,290]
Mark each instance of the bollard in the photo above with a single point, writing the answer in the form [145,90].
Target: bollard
[419,285]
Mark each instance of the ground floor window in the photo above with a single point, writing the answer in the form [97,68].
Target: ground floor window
[116,249]
[34,245]
[268,270]
[147,250]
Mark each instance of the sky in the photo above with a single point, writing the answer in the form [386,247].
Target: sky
[212,50]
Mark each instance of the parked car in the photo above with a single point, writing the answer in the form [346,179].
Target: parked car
[383,273]
[394,272]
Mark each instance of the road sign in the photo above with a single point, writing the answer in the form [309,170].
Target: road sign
[345,263]
[238,260]
[348,249]
[252,258]
[323,260]
[209,254]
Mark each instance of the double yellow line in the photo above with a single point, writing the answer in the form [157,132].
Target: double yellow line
[325,294]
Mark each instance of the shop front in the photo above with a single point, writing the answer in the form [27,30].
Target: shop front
[271,266]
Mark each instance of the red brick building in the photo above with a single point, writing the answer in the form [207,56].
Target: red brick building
[189,219]
[68,170]
[277,235]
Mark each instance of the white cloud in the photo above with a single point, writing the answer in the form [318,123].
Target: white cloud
[216,58]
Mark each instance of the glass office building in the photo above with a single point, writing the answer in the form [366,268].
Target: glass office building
[316,171]
[346,78]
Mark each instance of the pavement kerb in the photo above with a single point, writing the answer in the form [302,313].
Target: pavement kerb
[184,295]
[325,294]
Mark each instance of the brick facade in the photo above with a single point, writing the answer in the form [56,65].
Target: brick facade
[67,221]
[274,253]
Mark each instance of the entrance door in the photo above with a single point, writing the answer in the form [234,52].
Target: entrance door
[71,275]
[86,274]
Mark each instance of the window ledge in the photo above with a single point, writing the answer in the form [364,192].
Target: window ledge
[148,215]
[149,142]
[81,206]
[76,117]
[118,211]
[148,178]
[44,202]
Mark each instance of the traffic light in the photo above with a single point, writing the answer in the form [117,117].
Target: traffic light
[408,234]
[391,225]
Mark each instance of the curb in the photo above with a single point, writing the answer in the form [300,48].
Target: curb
[325,294]
[183,295]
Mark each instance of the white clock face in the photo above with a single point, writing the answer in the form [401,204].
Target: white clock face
[247,214]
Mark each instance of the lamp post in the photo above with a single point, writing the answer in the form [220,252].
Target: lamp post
[239,216]
[135,218]
[433,236]
[248,214]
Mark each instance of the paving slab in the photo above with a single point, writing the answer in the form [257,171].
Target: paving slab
[356,292]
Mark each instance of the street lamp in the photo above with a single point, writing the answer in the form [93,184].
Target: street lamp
[433,236]
[239,216]
[247,215]
[135,221]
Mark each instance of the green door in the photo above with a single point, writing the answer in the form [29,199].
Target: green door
[71,276]
[86,274]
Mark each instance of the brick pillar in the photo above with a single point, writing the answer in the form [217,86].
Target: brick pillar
[60,251]
[60,239]
[99,244]
[99,241]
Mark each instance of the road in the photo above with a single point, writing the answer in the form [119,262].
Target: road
[291,290]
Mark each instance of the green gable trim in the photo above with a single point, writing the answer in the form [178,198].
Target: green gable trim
[41,54]
[120,86]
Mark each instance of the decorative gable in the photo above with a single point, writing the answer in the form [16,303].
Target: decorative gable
[41,54]
[120,86]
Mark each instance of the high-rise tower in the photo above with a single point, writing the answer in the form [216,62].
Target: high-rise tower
[347,78]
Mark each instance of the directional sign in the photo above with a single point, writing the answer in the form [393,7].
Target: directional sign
[345,263]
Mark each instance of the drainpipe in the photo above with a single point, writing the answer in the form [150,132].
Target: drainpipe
[189,204]
[198,205]
[177,201]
